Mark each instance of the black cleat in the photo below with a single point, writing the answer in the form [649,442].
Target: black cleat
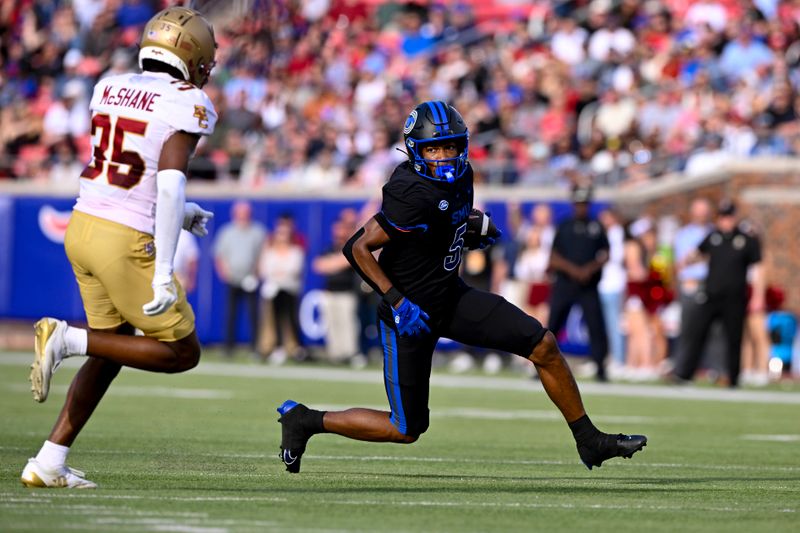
[607,446]
[294,434]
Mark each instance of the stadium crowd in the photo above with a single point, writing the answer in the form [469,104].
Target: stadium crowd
[312,94]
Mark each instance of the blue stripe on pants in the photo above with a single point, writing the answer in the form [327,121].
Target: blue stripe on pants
[391,377]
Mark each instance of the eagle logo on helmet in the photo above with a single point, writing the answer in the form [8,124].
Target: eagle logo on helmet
[410,122]
[183,39]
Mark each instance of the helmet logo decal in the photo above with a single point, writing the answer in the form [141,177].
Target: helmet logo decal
[443,205]
[410,122]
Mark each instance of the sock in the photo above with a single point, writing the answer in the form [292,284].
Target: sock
[583,429]
[314,421]
[52,455]
[77,340]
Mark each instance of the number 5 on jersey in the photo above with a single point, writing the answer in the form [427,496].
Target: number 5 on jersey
[452,261]
[101,165]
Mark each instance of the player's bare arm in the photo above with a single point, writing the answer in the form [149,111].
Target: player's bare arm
[177,151]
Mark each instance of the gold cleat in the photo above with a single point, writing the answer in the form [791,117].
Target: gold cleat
[48,346]
[36,476]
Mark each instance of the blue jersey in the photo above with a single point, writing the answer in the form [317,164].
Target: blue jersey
[426,221]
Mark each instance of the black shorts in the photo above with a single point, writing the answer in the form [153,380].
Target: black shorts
[478,318]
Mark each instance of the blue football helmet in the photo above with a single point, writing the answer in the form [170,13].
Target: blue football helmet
[435,122]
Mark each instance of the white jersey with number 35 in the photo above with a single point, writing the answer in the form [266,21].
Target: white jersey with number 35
[133,115]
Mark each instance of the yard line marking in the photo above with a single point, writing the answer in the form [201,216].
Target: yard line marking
[429,459]
[144,391]
[772,438]
[370,376]
[159,525]
[543,462]
[49,497]
[567,506]
[411,503]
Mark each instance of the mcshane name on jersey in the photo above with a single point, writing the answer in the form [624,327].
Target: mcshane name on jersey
[133,98]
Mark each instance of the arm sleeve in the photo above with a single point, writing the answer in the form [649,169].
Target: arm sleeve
[347,251]
[169,217]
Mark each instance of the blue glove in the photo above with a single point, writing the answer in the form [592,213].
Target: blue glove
[481,231]
[410,319]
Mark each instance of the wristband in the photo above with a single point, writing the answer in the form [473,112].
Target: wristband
[392,296]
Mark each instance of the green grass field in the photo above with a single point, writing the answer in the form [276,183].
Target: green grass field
[198,453]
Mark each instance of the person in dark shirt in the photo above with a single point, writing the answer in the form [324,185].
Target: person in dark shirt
[580,249]
[339,300]
[425,223]
[731,248]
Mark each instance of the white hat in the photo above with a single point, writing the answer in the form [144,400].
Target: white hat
[73,89]
[72,58]
[640,227]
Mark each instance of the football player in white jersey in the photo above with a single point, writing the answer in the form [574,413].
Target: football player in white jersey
[124,229]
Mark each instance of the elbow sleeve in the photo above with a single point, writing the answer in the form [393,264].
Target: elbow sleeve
[347,250]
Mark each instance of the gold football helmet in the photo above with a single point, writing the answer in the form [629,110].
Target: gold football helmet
[181,38]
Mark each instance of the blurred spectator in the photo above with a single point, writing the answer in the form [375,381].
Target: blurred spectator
[322,173]
[64,164]
[531,268]
[236,254]
[612,287]
[580,249]
[647,342]
[755,338]
[69,115]
[706,14]
[569,42]
[744,55]
[346,70]
[280,268]
[709,157]
[731,250]
[339,299]
[535,240]
[690,278]
[187,255]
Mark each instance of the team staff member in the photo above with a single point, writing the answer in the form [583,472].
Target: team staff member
[731,248]
[580,249]
[123,233]
[425,222]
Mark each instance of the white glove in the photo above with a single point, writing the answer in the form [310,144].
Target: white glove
[195,219]
[164,295]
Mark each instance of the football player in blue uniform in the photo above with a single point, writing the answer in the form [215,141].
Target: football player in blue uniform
[425,223]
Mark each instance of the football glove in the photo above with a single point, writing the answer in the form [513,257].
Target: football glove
[195,219]
[410,319]
[481,231]
[164,295]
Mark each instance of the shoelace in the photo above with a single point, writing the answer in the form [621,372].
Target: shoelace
[76,472]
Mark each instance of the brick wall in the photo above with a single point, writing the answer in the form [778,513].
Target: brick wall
[770,198]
